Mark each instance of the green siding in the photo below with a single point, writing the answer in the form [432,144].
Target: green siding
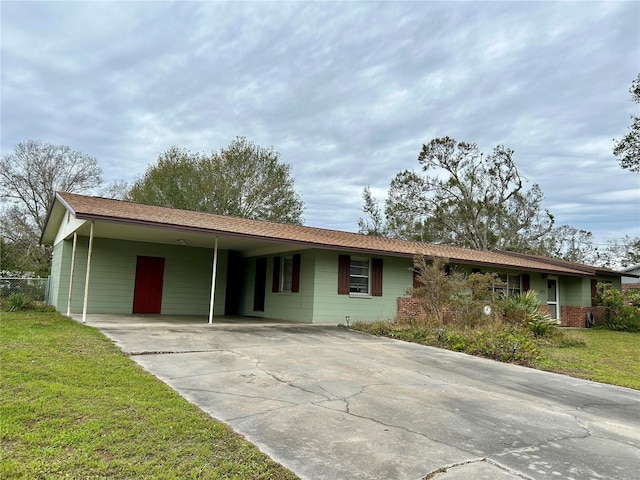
[187,277]
[616,282]
[297,307]
[55,278]
[318,300]
[329,307]
[575,291]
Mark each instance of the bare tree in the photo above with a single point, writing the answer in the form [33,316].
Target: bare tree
[29,179]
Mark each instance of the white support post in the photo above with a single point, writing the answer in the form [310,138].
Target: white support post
[73,265]
[213,281]
[86,282]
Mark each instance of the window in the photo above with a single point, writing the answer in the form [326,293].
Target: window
[359,276]
[286,274]
[511,284]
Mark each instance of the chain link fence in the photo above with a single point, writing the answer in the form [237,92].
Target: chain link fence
[36,289]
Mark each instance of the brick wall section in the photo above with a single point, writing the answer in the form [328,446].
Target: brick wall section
[630,286]
[576,316]
[409,307]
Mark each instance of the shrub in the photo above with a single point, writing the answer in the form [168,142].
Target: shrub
[503,342]
[632,296]
[524,309]
[451,316]
[617,314]
[448,297]
[19,301]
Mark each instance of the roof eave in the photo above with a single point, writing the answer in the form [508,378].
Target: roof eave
[323,246]
[59,205]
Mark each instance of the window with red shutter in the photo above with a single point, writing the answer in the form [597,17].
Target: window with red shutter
[376,277]
[344,266]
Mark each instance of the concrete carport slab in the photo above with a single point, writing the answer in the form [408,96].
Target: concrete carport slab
[330,403]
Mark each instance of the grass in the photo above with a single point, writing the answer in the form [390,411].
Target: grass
[601,355]
[74,406]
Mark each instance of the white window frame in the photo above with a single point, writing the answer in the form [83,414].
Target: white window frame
[367,276]
[510,282]
[555,303]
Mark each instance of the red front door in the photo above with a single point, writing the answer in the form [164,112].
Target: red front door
[147,295]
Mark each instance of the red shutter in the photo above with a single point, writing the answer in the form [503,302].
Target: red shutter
[594,292]
[344,274]
[275,284]
[295,275]
[376,277]
[526,282]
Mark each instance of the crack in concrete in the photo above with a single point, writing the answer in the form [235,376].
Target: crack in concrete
[348,411]
[291,383]
[434,473]
[171,352]
[209,373]
[258,414]
[241,395]
[611,404]
[431,377]
[508,470]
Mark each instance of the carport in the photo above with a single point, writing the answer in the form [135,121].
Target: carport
[205,267]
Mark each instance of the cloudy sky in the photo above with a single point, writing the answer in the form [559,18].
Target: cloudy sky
[346,92]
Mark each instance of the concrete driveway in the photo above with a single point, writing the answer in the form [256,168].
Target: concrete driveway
[329,403]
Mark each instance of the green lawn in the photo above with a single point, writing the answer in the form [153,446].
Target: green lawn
[601,355]
[73,406]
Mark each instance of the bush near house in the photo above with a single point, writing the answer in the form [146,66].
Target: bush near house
[465,313]
[622,310]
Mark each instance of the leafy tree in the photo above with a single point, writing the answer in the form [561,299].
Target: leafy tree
[29,178]
[627,149]
[373,223]
[242,180]
[467,199]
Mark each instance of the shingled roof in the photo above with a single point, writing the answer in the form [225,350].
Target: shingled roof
[109,210]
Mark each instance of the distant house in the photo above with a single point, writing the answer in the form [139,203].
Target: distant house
[122,258]
[632,277]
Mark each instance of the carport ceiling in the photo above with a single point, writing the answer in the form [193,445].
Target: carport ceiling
[184,237]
